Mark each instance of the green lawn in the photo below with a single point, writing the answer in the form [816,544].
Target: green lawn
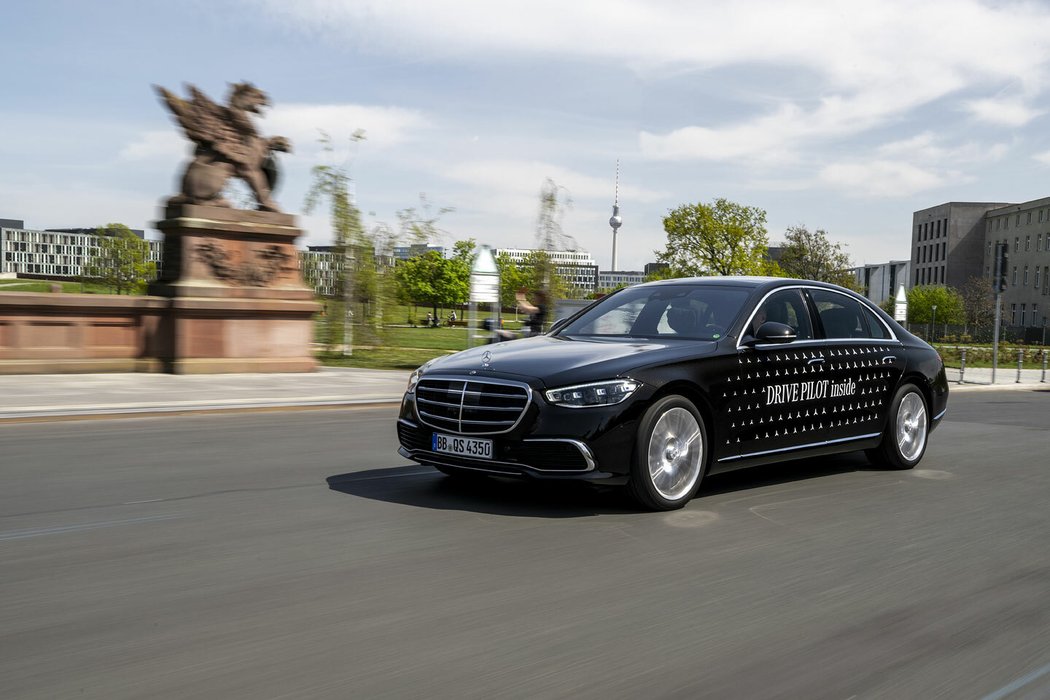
[21,285]
[380,358]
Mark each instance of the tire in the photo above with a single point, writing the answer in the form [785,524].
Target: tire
[670,455]
[907,431]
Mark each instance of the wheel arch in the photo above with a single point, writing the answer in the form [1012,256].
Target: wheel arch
[919,380]
[696,396]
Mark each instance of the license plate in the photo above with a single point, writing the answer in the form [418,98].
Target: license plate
[479,448]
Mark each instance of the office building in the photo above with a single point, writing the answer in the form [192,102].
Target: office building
[576,267]
[52,254]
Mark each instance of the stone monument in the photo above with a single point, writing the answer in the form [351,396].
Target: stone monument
[237,298]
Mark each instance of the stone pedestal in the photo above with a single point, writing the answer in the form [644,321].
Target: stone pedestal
[237,299]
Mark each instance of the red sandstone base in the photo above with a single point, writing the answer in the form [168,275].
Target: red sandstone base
[231,299]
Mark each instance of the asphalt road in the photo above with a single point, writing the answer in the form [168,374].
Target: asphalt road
[294,555]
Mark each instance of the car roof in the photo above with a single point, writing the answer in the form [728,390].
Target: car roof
[742,281]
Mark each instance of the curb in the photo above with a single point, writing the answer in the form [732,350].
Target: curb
[188,407]
[976,386]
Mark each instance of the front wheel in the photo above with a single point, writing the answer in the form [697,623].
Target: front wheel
[669,454]
[904,440]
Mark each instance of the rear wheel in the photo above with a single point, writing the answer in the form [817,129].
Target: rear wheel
[670,453]
[904,440]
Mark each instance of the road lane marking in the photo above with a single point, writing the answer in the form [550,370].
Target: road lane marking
[40,531]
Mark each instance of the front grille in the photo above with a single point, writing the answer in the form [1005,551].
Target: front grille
[471,406]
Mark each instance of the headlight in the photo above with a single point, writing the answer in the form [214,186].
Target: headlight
[413,378]
[596,394]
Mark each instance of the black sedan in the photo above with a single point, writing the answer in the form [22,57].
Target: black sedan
[660,384]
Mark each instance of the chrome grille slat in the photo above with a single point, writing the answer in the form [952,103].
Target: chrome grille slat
[437,403]
[491,408]
[481,406]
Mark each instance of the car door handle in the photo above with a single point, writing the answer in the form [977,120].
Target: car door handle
[889,359]
[815,361]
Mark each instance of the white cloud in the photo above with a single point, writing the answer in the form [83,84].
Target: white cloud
[875,61]
[1002,112]
[1043,157]
[770,139]
[383,126]
[524,178]
[880,178]
[931,149]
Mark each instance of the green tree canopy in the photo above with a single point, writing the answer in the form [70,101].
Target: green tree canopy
[511,279]
[949,303]
[121,260]
[722,238]
[810,255]
[433,280]
[332,184]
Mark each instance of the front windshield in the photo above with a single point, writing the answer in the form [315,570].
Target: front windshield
[694,312]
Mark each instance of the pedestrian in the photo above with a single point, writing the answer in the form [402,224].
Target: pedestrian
[430,319]
[537,313]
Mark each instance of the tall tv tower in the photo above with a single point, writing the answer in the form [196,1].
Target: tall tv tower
[616,221]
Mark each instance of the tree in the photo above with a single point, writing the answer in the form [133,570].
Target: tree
[433,280]
[332,183]
[949,303]
[662,272]
[121,260]
[419,224]
[511,279]
[723,238]
[809,255]
[978,302]
[550,237]
[464,252]
[541,273]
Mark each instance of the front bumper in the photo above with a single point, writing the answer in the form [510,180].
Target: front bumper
[549,442]
[540,458]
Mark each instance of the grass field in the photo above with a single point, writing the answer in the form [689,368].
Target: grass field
[44,286]
[380,358]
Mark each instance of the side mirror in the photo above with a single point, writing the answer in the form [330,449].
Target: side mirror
[773,332]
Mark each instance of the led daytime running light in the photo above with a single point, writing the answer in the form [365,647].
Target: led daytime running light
[605,393]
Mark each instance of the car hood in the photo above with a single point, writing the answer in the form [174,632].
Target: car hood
[557,361]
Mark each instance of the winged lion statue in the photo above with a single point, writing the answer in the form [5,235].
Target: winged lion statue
[228,145]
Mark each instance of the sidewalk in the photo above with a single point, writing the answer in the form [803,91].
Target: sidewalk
[68,395]
[61,395]
[1005,378]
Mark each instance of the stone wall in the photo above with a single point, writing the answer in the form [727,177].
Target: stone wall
[54,333]
[66,333]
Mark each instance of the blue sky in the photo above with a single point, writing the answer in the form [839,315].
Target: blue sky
[844,116]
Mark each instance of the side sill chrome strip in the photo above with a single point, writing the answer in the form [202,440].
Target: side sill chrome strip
[941,414]
[800,447]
